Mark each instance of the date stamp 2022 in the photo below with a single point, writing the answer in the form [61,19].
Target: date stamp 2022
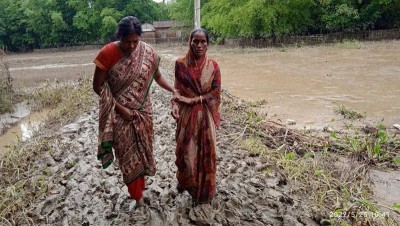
[360,214]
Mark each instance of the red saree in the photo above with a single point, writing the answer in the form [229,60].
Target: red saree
[128,82]
[196,128]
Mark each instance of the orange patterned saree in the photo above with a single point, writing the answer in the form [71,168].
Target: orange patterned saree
[128,83]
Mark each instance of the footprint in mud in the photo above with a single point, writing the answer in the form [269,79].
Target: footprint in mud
[140,215]
[202,214]
[48,209]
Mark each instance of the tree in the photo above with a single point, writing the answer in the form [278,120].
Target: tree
[341,17]
[58,27]
[109,21]
[258,18]
[390,17]
[183,10]
[18,36]
[26,24]
[86,21]
[145,10]
[3,26]
[372,11]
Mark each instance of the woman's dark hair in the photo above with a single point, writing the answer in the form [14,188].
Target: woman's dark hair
[127,26]
[200,30]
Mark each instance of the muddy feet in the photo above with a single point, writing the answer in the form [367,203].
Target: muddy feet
[202,214]
[141,215]
[180,189]
[139,203]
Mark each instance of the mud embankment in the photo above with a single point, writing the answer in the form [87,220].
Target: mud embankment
[81,193]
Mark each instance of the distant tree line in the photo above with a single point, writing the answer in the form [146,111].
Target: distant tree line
[269,18]
[28,24]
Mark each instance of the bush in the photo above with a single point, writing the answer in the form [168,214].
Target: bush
[6,93]
[349,44]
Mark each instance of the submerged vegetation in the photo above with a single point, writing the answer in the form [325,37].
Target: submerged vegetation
[349,44]
[22,180]
[331,170]
[348,114]
[6,93]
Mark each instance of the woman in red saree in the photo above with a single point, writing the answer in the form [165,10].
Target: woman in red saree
[198,80]
[124,73]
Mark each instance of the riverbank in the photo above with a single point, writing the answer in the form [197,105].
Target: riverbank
[73,189]
[268,174]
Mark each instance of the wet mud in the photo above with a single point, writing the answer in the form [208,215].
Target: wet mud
[81,193]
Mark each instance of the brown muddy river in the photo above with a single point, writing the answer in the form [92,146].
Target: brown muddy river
[308,84]
[305,84]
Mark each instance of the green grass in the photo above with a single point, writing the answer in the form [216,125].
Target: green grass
[349,44]
[348,113]
[6,92]
[332,172]
[257,103]
[18,188]
[378,147]
[6,100]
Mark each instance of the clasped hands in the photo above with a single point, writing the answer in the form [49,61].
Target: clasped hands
[182,99]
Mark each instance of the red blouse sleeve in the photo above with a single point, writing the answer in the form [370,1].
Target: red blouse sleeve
[107,57]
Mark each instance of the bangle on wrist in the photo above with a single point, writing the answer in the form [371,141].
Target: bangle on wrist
[175,90]
[201,100]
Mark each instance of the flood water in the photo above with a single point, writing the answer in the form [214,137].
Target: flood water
[25,124]
[305,85]
[308,84]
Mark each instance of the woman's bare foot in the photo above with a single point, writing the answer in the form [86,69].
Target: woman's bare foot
[139,203]
[180,189]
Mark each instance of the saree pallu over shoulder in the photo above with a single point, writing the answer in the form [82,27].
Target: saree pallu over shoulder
[128,83]
[207,83]
[196,129]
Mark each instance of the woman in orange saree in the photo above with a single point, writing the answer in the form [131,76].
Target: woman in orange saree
[125,70]
[198,80]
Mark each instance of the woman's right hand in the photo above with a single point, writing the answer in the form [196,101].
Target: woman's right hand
[125,113]
[175,110]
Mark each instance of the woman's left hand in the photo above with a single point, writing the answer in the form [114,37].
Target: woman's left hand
[185,100]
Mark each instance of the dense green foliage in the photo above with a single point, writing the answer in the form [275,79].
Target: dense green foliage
[269,18]
[27,24]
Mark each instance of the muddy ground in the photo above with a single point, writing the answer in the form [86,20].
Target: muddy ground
[81,193]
